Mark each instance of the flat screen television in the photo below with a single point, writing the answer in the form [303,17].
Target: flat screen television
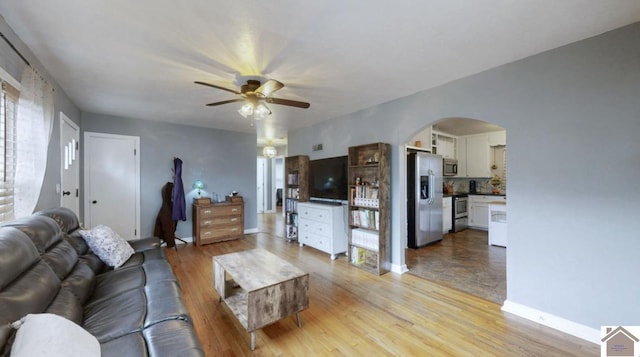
[328,178]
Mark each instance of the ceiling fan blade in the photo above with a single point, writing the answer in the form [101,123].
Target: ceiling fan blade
[291,103]
[218,87]
[225,102]
[269,87]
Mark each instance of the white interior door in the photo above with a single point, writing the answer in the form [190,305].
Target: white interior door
[261,182]
[70,164]
[112,182]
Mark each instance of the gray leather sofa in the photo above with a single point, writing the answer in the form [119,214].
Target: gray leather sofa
[135,310]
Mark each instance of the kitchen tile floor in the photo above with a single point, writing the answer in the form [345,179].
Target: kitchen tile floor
[463,261]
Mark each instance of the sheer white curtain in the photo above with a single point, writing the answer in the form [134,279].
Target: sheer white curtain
[33,131]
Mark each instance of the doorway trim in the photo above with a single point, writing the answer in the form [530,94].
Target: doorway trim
[59,190]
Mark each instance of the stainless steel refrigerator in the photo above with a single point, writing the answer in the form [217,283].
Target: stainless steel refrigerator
[424,199]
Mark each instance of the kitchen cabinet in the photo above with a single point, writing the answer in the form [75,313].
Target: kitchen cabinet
[446,146]
[461,155]
[498,223]
[479,210]
[447,219]
[474,159]
[478,158]
[498,138]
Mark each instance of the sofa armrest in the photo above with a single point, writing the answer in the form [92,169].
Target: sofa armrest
[140,245]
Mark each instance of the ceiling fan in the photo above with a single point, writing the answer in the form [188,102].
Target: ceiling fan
[255,94]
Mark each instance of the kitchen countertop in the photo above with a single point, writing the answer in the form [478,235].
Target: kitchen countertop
[487,194]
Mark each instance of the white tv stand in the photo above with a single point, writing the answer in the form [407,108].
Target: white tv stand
[322,226]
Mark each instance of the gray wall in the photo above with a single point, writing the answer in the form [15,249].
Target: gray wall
[223,160]
[572,117]
[12,63]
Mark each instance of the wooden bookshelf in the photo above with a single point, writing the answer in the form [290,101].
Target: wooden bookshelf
[296,189]
[369,207]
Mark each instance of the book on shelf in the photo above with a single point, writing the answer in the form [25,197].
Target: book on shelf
[291,205]
[365,196]
[358,255]
[292,218]
[293,192]
[365,238]
[292,231]
[366,218]
[292,179]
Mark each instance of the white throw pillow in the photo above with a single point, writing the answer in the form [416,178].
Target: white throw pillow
[52,336]
[108,245]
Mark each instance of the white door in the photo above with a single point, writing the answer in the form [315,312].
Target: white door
[261,182]
[70,164]
[112,182]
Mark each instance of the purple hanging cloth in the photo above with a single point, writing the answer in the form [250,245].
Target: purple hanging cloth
[178,210]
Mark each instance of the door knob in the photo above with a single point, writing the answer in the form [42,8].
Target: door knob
[66,193]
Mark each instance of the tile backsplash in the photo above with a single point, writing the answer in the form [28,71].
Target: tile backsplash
[461,185]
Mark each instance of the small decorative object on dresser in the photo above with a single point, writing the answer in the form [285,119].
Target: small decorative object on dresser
[218,221]
[201,200]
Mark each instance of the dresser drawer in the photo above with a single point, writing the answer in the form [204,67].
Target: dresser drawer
[316,214]
[314,227]
[219,220]
[209,234]
[221,210]
[315,241]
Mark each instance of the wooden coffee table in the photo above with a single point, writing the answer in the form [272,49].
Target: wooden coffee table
[260,288]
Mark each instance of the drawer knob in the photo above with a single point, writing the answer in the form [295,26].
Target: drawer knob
[207,222]
[234,210]
[207,211]
[233,219]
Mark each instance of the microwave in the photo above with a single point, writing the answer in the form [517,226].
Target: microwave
[449,167]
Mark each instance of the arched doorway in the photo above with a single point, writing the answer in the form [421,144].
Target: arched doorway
[464,259]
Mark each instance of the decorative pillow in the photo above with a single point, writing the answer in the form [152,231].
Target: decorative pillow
[108,245]
[52,336]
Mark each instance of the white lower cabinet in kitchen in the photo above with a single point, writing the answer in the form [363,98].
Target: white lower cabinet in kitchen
[498,224]
[447,219]
[479,210]
[322,226]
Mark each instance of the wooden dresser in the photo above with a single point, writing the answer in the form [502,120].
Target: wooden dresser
[217,222]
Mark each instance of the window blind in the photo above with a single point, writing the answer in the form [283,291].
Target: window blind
[8,108]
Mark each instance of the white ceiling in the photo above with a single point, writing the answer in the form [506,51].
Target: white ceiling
[139,59]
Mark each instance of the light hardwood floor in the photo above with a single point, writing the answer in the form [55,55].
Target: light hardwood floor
[354,313]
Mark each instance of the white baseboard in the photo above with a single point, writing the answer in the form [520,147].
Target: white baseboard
[572,328]
[399,269]
[251,230]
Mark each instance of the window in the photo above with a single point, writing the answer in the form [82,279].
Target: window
[8,109]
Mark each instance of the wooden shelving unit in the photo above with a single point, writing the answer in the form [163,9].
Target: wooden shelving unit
[296,189]
[369,207]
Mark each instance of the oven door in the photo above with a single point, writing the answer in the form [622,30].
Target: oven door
[460,207]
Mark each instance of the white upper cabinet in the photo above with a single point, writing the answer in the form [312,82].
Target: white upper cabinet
[446,146]
[498,138]
[476,160]
[461,150]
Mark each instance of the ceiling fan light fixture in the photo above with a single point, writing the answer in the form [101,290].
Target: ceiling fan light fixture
[246,109]
[269,152]
[261,111]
